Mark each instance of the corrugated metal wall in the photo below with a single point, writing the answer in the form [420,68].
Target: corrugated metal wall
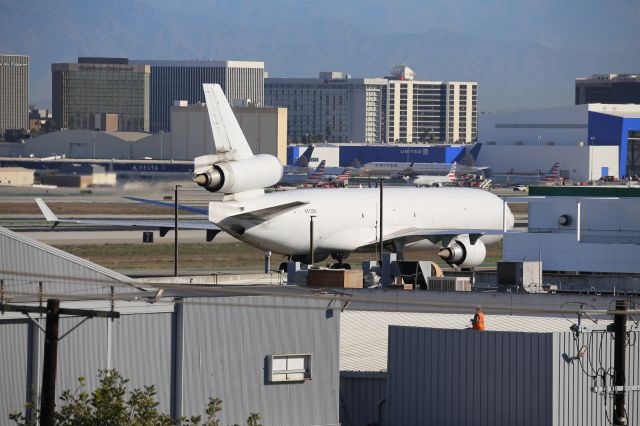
[460,377]
[576,403]
[13,368]
[24,262]
[362,397]
[226,342]
[225,355]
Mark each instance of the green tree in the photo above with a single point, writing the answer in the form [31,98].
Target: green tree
[108,405]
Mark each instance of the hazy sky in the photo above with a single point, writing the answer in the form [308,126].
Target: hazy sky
[523,54]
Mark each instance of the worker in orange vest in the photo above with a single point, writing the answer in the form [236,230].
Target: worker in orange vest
[477,323]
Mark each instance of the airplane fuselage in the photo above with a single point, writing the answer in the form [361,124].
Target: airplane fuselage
[346,220]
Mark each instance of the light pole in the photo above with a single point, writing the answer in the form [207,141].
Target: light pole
[539,154]
[161,134]
[591,142]
[175,225]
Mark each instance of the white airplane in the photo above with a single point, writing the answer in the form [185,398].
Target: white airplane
[437,180]
[346,220]
[460,221]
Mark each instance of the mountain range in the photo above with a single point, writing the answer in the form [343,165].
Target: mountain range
[523,57]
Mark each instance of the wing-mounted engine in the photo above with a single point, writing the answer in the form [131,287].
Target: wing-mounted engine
[463,254]
[235,176]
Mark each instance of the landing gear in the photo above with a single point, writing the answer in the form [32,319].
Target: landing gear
[339,266]
[339,257]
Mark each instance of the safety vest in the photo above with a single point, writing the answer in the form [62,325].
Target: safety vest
[478,324]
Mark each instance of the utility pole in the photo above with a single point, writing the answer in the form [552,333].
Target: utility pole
[311,247]
[381,234]
[175,234]
[619,362]
[50,363]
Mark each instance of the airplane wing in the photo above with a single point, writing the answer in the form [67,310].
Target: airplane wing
[163,225]
[220,211]
[435,235]
[171,205]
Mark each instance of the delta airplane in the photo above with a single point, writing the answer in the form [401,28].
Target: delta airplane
[438,180]
[460,221]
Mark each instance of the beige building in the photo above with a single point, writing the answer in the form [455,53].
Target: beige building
[264,128]
[101,86]
[426,111]
[14,92]
[16,176]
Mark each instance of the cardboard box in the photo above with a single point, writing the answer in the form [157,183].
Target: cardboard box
[338,278]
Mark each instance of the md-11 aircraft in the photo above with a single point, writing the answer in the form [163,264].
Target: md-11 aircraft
[460,221]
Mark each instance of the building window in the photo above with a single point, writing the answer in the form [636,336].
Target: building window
[288,368]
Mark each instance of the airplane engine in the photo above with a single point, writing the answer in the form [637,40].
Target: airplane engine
[464,254]
[258,172]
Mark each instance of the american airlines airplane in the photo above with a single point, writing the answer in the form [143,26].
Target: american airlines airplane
[550,178]
[437,180]
[460,221]
[313,177]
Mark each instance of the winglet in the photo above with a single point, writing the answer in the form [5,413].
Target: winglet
[46,211]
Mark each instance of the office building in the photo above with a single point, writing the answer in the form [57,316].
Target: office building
[101,86]
[337,108]
[333,107]
[608,89]
[430,111]
[14,92]
[182,80]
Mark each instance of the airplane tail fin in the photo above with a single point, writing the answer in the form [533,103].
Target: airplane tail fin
[554,172]
[227,135]
[303,160]
[452,172]
[317,173]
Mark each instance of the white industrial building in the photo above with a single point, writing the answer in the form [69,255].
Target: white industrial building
[580,229]
[589,141]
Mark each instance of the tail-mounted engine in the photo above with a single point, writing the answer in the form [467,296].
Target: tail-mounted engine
[235,176]
[463,254]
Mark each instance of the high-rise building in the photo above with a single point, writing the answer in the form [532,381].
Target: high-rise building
[101,86]
[14,92]
[608,89]
[333,107]
[182,80]
[338,108]
[423,111]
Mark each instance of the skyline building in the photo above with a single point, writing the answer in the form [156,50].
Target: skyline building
[178,80]
[424,111]
[608,89]
[97,86]
[14,92]
[333,107]
[337,108]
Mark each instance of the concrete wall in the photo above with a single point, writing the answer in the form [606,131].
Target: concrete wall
[16,176]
